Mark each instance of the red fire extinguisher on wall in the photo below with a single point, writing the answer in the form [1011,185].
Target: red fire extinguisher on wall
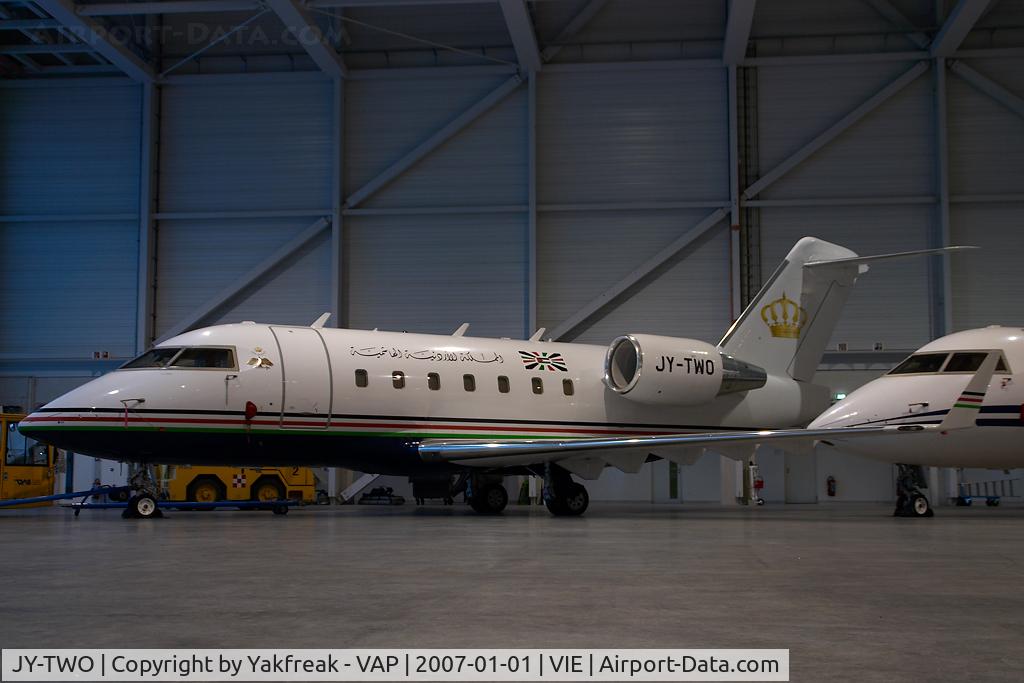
[830,485]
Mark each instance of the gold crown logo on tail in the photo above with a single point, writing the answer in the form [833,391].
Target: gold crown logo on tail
[784,317]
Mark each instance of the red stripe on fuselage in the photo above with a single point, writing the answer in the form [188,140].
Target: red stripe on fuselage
[370,425]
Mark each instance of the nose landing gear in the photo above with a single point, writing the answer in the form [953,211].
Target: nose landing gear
[143,505]
[910,501]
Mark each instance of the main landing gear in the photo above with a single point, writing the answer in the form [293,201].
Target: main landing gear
[563,496]
[486,494]
[910,501]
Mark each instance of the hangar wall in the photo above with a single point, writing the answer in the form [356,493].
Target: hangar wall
[560,189]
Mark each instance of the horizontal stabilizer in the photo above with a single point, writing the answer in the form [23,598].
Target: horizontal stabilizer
[863,260]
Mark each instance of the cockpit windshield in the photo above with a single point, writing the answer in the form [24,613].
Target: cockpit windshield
[154,358]
[199,357]
[205,357]
[933,363]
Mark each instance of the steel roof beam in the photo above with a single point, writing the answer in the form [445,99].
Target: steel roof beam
[467,117]
[300,22]
[836,129]
[646,268]
[28,24]
[98,37]
[957,26]
[577,23]
[520,27]
[115,9]
[46,49]
[900,21]
[118,9]
[997,92]
[246,281]
[737,30]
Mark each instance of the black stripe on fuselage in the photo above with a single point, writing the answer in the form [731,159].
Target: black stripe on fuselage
[347,416]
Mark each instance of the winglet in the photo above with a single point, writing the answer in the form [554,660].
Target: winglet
[319,322]
[964,412]
[461,331]
[538,334]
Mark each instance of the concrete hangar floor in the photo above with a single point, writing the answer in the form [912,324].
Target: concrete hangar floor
[854,593]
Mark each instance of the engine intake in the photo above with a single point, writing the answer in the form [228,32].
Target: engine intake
[653,369]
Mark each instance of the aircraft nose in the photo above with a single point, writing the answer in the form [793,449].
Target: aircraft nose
[856,409]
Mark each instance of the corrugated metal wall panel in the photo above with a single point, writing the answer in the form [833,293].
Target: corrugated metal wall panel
[239,147]
[580,255]
[986,140]
[890,304]
[632,136]
[385,119]
[69,150]
[984,291]
[67,289]
[887,153]
[432,273]
[485,164]
[199,258]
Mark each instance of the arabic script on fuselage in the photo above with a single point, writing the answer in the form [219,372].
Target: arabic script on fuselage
[428,354]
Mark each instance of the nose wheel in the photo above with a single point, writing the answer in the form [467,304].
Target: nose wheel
[143,505]
[910,501]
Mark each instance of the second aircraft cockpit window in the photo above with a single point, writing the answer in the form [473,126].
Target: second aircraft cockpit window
[933,363]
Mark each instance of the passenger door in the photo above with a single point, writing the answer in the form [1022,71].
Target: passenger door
[306,377]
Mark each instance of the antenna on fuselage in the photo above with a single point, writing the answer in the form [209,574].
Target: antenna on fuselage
[461,331]
[319,322]
[538,334]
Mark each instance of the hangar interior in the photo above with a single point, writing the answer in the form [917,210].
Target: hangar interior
[594,167]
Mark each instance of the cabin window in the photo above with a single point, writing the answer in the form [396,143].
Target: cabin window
[469,382]
[433,381]
[154,358]
[538,385]
[205,357]
[362,379]
[567,388]
[970,362]
[503,385]
[920,363]
[398,379]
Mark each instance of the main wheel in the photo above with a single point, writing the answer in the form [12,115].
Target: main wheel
[491,500]
[143,506]
[920,506]
[570,503]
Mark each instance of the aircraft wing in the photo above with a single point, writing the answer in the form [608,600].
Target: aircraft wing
[588,456]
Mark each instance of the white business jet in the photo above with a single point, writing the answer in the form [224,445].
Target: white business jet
[460,413]
[965,386]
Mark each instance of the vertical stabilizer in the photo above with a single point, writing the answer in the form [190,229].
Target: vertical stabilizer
[786,327]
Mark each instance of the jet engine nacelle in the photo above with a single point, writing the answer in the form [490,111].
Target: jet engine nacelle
[652,369]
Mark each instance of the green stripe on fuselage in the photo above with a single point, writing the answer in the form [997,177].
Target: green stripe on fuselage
[313,431]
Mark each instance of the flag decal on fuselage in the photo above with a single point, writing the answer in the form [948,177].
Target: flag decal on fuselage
[541,360]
